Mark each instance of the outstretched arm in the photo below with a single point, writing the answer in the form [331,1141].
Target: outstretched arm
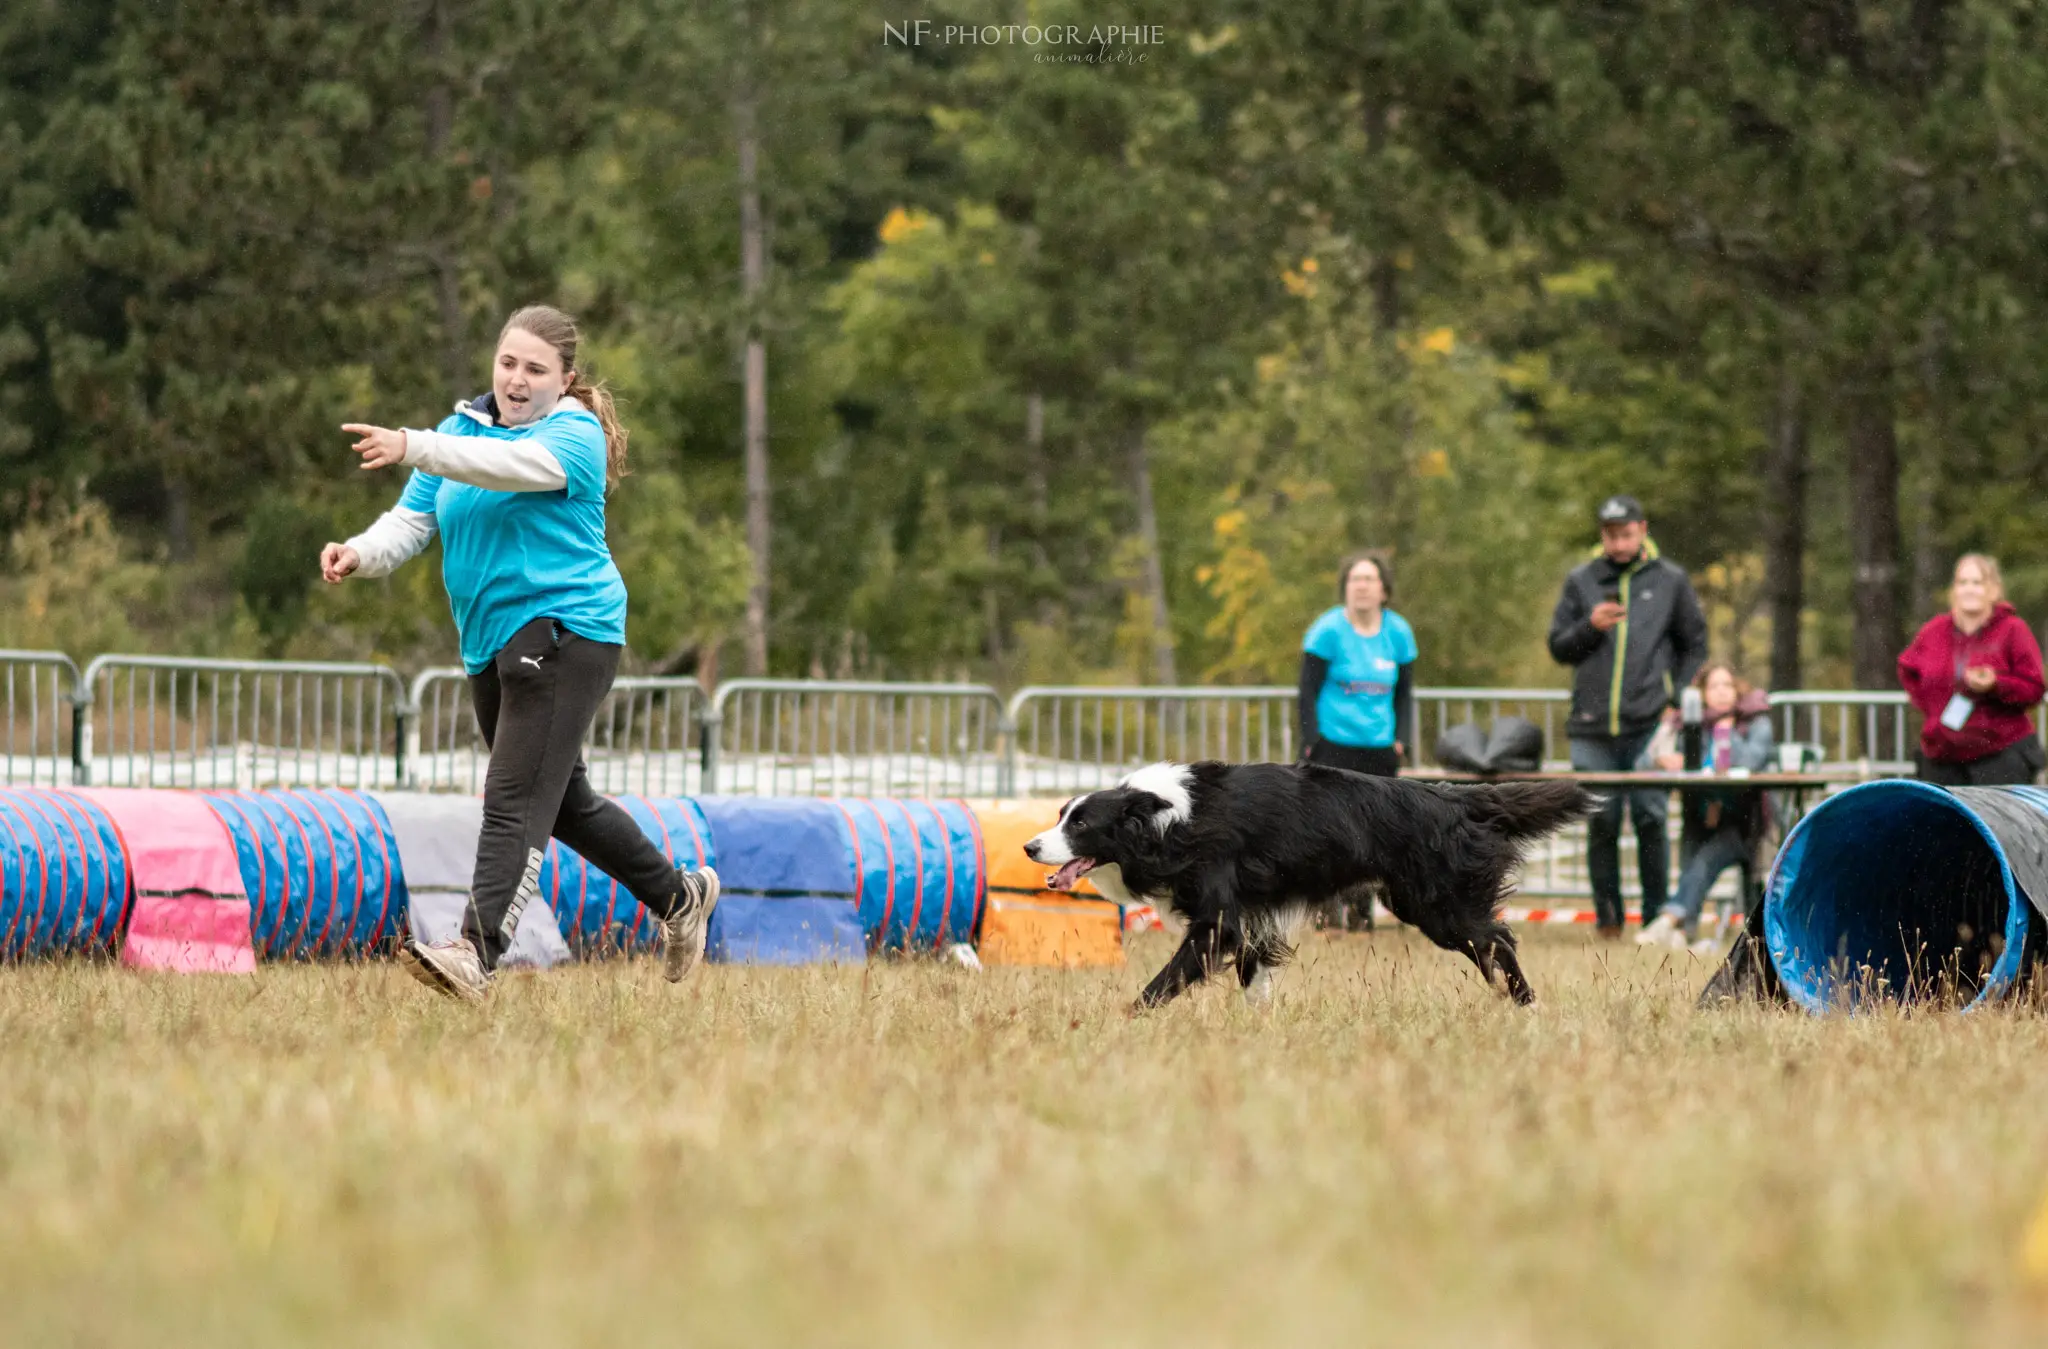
[523,465]
[511,464]
[399,535]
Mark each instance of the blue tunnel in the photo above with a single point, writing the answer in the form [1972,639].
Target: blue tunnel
[63,875]
[790,882]
[321,870]
[598,915]
[920,881]
[1902,891]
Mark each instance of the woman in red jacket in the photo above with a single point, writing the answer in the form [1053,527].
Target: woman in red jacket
[1974,673]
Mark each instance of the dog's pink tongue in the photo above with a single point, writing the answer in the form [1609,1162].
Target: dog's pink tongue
[1066,876]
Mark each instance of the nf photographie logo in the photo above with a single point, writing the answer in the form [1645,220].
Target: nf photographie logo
[1115,43]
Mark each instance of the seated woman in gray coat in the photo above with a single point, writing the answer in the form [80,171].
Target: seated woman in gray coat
[1737,734]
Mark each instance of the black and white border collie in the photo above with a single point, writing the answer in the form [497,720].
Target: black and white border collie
[1241,852]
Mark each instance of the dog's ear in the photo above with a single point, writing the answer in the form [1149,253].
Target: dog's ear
[1144,805]
[1147,809]
[1140,832]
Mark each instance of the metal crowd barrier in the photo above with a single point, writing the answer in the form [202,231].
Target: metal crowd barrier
[187,722]
[167,721]
[1872,730]
[806,737]
[1876,730]
[39,686]
[1067,739]
[647,738]
[160,721]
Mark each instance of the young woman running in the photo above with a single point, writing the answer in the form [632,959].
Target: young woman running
[515,483]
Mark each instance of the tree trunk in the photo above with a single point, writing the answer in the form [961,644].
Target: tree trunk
[1923,588]
[1038,480]
[454,340]
[757,504]
[753,278]
[1036,476]
[1929,549]
[1387,519]
[178,516]
[1873,525]
[1785,531]
[1385,275]
[1155,574]
[991,603]
[442,254]
[1386,298]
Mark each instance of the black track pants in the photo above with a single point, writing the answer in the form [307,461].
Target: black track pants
[534,704]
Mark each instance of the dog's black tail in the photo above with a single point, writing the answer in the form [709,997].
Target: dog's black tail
[1528,810]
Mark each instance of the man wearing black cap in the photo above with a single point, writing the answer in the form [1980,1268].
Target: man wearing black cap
[1630,625]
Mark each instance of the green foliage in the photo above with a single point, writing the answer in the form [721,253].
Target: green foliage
[1343,439]
[687,579]
[1555,255]
[272,578]
[71,587]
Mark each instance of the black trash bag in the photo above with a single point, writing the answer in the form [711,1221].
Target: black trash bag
[1462,748]
[1515,745]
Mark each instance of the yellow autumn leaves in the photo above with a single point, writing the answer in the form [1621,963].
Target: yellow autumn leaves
[901,224]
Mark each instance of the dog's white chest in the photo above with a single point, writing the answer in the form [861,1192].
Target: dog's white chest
[1108,880]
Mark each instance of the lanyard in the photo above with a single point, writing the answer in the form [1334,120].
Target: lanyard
[1963,654]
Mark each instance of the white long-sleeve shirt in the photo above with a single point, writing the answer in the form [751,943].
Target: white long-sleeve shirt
[396,538]
[524,465]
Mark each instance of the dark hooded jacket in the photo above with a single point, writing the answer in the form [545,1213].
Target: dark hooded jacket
[1625,677]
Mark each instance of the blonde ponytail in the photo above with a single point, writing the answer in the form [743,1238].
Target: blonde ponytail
[558,330]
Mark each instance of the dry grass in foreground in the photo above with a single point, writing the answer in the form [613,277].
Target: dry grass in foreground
[913,1155]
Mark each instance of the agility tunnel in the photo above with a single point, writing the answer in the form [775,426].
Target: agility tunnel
[1902,891]
[919,865]
[1024,923]
[598,916]
[63,875]
[321,870]
[788,882]
[221,880]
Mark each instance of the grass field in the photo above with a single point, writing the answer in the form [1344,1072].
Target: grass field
[914,1155]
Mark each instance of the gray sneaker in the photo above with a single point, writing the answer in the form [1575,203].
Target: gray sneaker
[682,932]
[451,968]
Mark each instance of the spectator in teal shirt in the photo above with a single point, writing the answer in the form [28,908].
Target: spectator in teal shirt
[1357,696]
